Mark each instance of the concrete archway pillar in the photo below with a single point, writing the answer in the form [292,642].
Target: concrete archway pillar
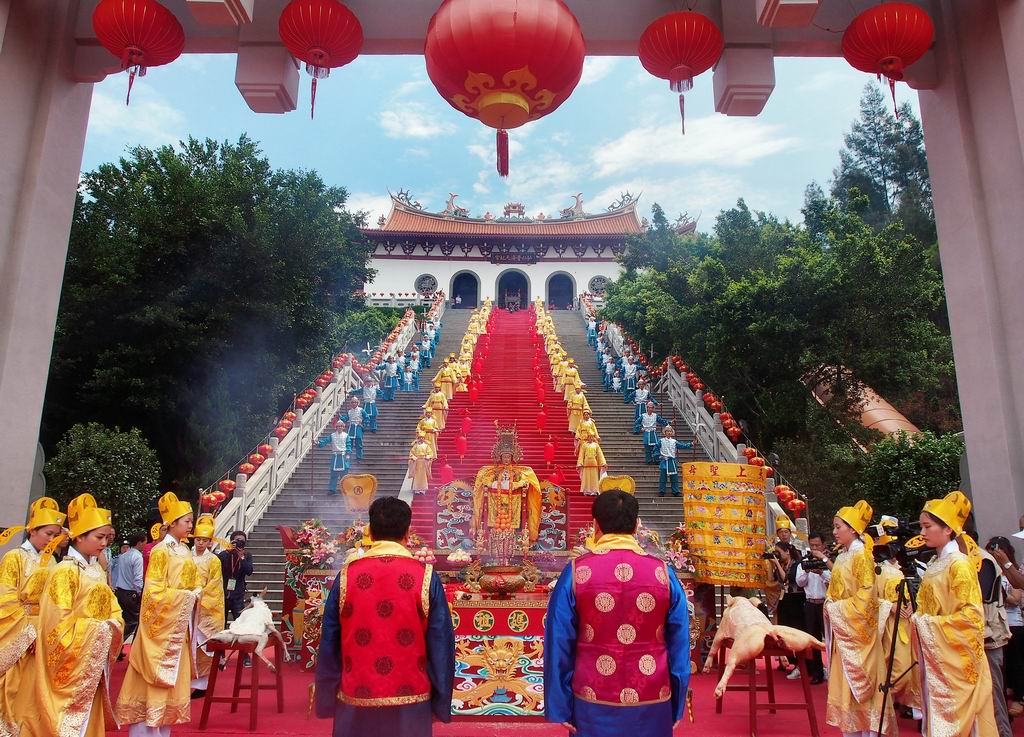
[42,134]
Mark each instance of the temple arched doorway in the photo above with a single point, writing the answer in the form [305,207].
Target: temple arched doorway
[465,284]
[513,289]
[561,291]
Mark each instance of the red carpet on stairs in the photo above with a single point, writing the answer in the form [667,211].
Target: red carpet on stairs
[507,395]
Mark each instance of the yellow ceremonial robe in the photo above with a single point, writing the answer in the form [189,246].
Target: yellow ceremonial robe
[157,687]
[419,463]
[429,426]
[577,404]
[524,481]
[21,584]
[437,403]
[908,690]
[949,632]
[586,428]
[854,645]
[445,380]
[590,461]
[210,612]
[80,629]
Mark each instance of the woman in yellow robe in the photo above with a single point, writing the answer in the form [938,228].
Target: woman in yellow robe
[591,464]
[437,403]
[888,580]
[949,629]
[445,380]
[851,631]
[577,405]
[156,690]
[428,426]
[22,577]
[419,464]
[210,612]
[80,629]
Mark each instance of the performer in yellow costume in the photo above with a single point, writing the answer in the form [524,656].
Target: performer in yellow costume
[586,428]
[428,426]
[156,689]
[445,380]
[851,631]
[949,628]
[506,501]
[80,629]
[437,403]
[420,457]
[591,464]
[22,578]
[577,406]
[888,580]
[210,614]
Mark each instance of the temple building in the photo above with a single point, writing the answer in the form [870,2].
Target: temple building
[510,257]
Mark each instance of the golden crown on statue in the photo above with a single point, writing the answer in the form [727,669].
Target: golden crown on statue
[507,443]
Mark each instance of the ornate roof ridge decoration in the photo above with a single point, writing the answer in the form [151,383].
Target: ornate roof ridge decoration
[514,212]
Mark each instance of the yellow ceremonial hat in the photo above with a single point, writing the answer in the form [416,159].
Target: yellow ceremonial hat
[154,531]
[953,509]
[783,522]
[625,483]
[172,509]
[206,527]
[45,511]
[858,516]
[84,515]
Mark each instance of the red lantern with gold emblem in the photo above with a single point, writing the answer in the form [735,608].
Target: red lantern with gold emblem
[504,63]
[886,39]
[678,47]
[141,33]
[323,34]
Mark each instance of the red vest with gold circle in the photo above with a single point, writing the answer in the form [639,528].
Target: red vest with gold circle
[622,601]
[384,602]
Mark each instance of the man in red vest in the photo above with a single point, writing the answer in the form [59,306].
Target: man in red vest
[387,648]
[616,643]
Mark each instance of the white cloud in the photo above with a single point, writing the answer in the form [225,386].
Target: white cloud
[480,186]
[374,205]
[715,139]
[705,193]
[414,120]
[150,120]
[596,68]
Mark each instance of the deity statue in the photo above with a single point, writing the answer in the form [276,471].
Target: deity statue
[506,501]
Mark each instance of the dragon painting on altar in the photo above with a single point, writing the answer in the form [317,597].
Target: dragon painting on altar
[499,676]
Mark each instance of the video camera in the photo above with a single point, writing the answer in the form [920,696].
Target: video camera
[813,563]
[901,540]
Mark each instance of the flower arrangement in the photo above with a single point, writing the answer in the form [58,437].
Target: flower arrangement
[318,547]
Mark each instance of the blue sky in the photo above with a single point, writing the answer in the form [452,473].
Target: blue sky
[381,125]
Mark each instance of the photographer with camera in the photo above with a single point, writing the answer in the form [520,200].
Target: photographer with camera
[813,574]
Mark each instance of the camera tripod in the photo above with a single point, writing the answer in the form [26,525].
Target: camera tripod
[902,597]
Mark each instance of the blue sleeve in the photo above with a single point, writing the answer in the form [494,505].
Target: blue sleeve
[323,441]
[560,651]
[247,565]
[138,578]
[688,444]
[662,421]
[328,660]
[677,641]
[440,651]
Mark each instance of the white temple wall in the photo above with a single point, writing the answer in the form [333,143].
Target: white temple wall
[400,275]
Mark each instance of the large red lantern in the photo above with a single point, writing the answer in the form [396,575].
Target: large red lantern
[885,39]
[504,63]
[324,34]
[678,47]
[141,33]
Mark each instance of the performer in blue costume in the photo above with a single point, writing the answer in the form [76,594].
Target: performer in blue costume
[668,467]
[392,666]
[390,379]
[592,332]
[629,378]
[356,417]
[616,642]
[338,440]
[650,421]
[641,398]
[370,403]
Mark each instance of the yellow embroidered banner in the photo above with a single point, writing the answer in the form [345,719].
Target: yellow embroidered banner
[724,508]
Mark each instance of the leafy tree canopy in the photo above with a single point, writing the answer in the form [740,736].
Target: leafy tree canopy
[203,288]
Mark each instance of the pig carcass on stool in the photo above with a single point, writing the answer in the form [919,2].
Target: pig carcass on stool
[254,624]
[749,629]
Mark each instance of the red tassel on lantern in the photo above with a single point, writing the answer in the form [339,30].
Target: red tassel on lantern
[678,47]
[886,39]
[502,146]
[141,33]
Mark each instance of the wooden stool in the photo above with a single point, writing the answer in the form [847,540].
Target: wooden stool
[752,686]
[222,650]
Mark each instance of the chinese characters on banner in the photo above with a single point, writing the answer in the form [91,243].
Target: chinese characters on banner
[724,508]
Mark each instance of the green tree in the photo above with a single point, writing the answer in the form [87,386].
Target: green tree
[203,288]
[903,471]
[118,468]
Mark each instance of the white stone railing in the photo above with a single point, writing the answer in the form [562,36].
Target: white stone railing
[254,493]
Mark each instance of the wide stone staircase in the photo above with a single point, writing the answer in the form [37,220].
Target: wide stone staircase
[385,456]
[623,450]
